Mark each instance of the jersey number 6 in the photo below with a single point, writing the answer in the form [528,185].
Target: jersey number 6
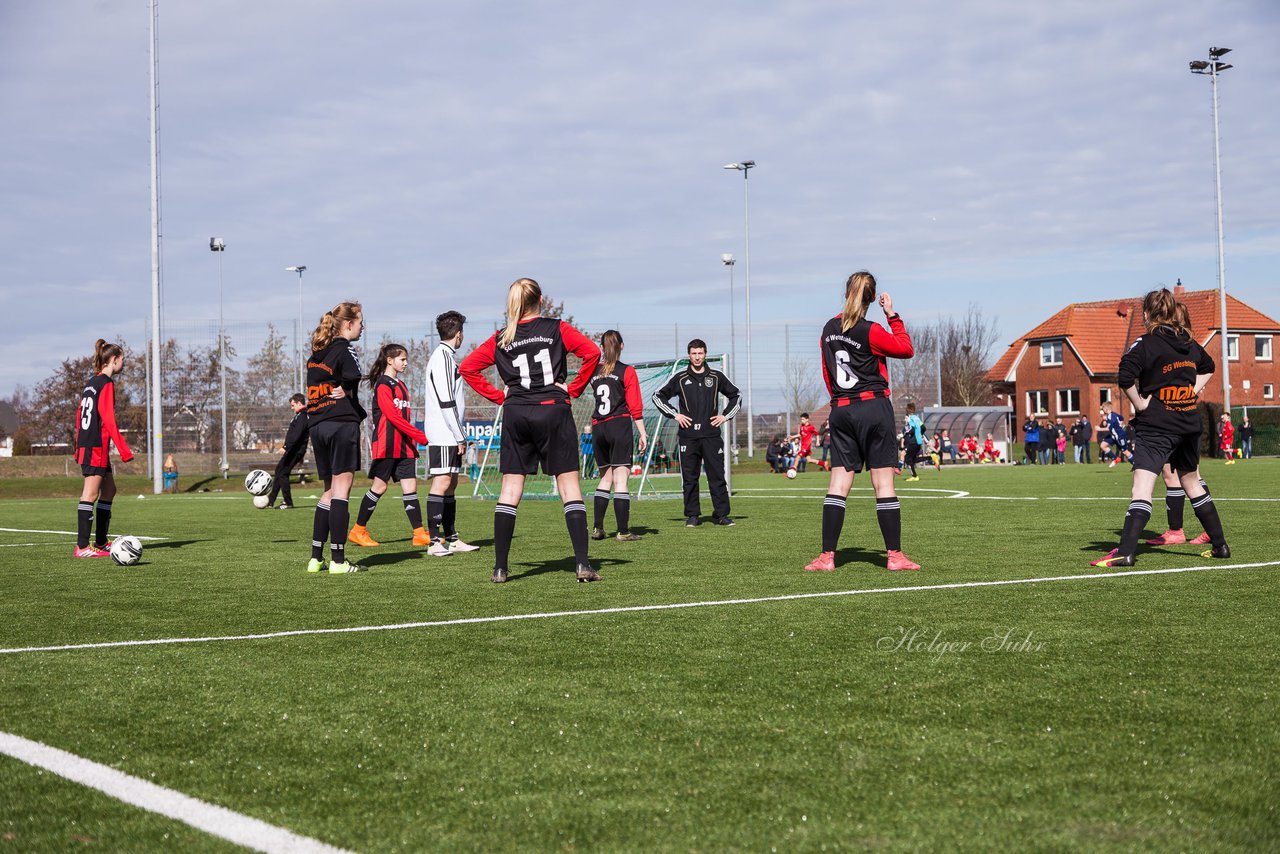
[845,377]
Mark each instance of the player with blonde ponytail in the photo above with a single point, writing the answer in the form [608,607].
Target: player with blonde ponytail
[862,432]
[334,414]
[537,421]
[96,430]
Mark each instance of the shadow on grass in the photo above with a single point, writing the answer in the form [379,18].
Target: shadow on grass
[196,487]
[853,556]
[566,565]
[173,544]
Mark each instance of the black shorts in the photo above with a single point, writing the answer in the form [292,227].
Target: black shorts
[394,469]
[538,434]
[95,471]
[613,442]
[1152,449]
[443,459]
[336,447]
[863,435]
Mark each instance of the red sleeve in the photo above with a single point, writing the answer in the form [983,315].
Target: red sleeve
[635,403]
[586,350]
[896,343]
[391,412]
[107,412]
[473,367]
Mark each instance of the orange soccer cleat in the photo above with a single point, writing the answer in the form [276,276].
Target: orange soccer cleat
[360,536]
[421,537]
[898,561]
[825,562]
[1171,537]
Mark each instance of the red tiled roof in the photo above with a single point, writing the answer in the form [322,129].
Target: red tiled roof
[1100,331]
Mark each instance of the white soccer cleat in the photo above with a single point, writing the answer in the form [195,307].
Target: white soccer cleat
[439,549]
[460,546]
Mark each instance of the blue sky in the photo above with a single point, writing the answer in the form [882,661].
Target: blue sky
[420,156]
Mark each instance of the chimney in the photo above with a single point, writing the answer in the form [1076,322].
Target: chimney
[1178,289]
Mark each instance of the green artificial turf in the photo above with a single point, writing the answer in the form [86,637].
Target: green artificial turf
[1136,712]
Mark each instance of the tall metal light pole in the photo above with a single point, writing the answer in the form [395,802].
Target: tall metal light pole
[302,356]
[745,167]
[727,260]
[217,244]
[157,406]
[1213,68]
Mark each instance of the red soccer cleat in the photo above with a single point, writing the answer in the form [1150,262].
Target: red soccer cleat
[898,561]
[825,562]
[91,551]
[1171,537]
[1113,558]
[1200,540]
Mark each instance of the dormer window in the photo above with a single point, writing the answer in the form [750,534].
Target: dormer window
[1050,353]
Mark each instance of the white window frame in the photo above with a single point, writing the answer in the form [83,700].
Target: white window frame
[1068,409]
[1034,397]
[1046,353]
[1268,391]
[1258,341]
[1104,395]
[1233,348]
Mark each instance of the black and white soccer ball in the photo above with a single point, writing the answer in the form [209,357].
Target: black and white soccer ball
[126,551]
[258,482]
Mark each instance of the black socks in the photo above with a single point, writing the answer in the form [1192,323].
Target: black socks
[832,521]
[889,515]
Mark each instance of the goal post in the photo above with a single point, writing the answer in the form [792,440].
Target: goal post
[660,462]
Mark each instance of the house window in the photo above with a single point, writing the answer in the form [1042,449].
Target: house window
[1038,403]
[1068,401]
[1233,348]
[1262,348]
[1268,391]
[1051,353]
[1104,396]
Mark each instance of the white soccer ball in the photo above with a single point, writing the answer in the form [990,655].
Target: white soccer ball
[126,551]
[262,502]
[258,482]
[791,474]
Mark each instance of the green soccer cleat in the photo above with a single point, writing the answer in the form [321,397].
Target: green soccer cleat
[315,565]
[345,567]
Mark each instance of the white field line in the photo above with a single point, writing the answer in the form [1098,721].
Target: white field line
[20,545]
[631,609]
[66,533]
[217,821]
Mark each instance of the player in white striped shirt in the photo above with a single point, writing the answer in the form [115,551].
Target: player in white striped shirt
[446,440]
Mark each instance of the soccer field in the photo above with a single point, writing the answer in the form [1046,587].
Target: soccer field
[708,695]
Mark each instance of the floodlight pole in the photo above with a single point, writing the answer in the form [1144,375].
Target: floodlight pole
[157,421]
[745,167]
[302,356]
[1213,68]
[217,244]
[728,261]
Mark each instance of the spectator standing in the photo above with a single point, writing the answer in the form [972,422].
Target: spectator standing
[1246,438]
[1087,435]
[1031,439]
[1228,439]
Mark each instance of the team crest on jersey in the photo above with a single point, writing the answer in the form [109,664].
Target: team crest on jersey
[707,382]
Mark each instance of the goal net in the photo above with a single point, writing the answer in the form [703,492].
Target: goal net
[659,463]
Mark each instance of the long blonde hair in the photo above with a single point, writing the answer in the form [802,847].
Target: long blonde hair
[104,352]
[611,348]
[524,296]
[331,324]
[1161,308]
[859,292]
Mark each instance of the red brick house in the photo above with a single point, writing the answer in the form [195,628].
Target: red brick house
[1067,365]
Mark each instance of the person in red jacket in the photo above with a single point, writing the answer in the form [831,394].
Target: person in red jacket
[989,450]
[618,405]
[863,432]
[96,431]
[1228,439]
[537,420]
[393,447]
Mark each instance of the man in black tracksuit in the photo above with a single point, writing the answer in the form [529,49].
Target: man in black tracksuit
[701,446]
[295,447]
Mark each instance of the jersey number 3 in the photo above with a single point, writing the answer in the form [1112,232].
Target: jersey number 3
[602,392]
[543,358]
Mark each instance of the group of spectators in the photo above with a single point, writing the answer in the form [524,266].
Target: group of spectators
[1045,442]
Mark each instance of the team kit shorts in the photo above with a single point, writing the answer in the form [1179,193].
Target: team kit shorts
[336,447]
[1152,449]
[95,471]
[392,469]
[443,459]
[613,442]
[863,435]
[538,434]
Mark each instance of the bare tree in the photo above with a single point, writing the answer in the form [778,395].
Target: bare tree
[800,389]
[964,345]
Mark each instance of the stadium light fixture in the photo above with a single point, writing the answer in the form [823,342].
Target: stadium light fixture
[1212,69]
[302,367]
[217,244]
[745,168]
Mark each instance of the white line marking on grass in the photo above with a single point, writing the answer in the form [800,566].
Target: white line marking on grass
[217,821]
[19,545]
[630,609]
[67,533]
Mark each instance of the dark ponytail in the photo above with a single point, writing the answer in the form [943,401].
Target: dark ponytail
[385,355]
[103,353]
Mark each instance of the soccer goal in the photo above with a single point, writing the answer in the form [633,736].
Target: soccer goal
[659,464]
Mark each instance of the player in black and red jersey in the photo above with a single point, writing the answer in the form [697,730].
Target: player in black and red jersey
[863,433]
[334,414]
[1162,374]
[96,430]
[616,389]
[394,446]
[295,448]
[537,421]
